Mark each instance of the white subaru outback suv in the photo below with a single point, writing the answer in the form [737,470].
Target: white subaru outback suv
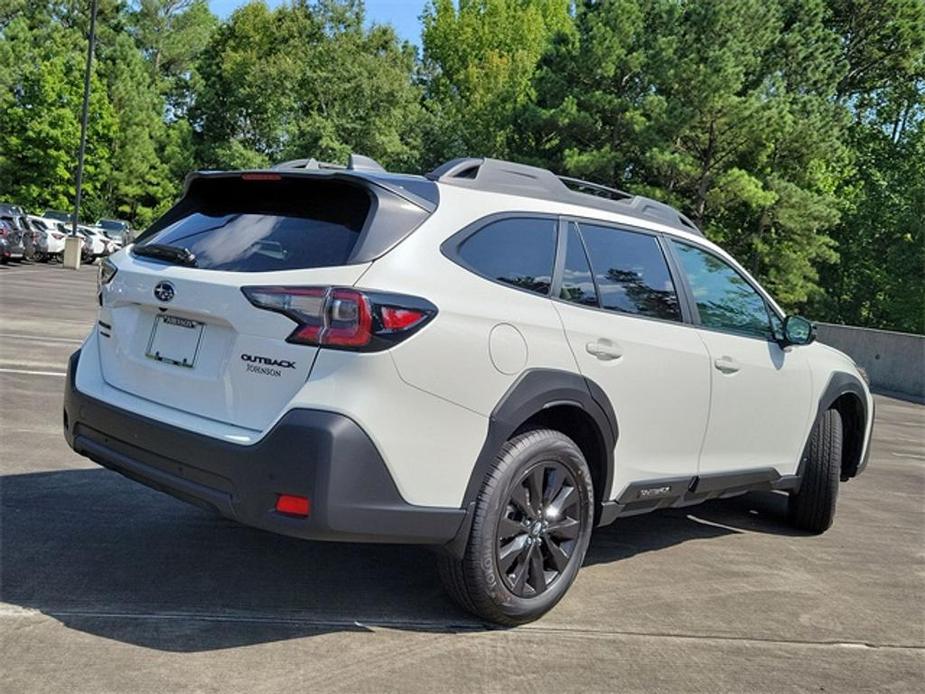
[489,359]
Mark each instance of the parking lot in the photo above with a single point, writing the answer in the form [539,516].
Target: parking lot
[106,585]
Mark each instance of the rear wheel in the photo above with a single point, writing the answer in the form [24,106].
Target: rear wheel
[531,529]
[812,508]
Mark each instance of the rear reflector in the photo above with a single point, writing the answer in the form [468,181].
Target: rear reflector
[344,318]
[292,505]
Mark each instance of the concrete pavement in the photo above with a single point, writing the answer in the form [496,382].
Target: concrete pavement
[107,586]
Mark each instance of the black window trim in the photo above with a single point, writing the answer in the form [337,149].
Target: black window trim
[687,316]
[690,316]
[451,246]
[561,254]
[695,312]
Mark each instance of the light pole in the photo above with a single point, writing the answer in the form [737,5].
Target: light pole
[83,117]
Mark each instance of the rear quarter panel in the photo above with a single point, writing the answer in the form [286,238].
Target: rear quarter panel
[451,357]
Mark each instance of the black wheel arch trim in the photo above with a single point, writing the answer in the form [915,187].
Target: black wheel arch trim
[536,390]
[844,383]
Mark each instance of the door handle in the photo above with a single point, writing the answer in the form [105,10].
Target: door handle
[727,365]
[604,351]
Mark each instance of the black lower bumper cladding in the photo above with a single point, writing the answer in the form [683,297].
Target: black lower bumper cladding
[321,455]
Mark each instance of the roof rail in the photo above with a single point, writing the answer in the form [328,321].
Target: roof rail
[530,181]
[596,188]
[356,162]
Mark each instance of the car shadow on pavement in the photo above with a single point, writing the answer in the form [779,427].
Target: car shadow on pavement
[106,556]
[757,512]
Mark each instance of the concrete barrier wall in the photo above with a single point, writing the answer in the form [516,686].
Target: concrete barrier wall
[893,361]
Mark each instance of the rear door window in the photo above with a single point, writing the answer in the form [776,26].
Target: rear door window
[265,224]
[631,272]
[519,252]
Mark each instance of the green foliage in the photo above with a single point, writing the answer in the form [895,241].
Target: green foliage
[791,131]
[881,238]
[140,176]
[41,90]
[171,35]
[724,109]
[480,60]
[305,79]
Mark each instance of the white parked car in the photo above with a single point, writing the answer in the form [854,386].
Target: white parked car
[485,359]
[49,238]
[116,230]
[96,244]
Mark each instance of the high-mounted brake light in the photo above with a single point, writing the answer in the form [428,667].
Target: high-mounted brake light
[344,318]
[261,177]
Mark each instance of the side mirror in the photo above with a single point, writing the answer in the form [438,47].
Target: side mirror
[798,331]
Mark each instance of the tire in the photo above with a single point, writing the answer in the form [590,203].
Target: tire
[521,558]
[812,508]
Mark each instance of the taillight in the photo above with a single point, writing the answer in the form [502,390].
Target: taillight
[107,271]
[344,318]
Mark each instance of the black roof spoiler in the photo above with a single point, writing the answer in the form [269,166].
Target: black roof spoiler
[356,162]
[497,176]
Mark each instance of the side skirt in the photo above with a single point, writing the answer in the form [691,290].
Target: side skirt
[675,492]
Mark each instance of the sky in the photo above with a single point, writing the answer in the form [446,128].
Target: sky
[401,14]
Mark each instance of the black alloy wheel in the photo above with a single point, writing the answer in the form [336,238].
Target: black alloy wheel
[530,529]
[538,531]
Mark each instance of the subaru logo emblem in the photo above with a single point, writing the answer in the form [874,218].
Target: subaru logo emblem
[164,291]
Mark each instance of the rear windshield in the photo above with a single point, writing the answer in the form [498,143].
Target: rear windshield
[262,225]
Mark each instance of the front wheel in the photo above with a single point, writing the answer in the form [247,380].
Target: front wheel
[530,532]
[812,508]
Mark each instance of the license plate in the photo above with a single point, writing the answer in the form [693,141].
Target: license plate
[175,340]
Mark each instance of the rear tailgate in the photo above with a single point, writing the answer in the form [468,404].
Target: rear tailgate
[175,327]
[239,368]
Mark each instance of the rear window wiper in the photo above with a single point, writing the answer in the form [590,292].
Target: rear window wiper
[174,254]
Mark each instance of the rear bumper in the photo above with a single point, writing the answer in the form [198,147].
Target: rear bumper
[321,455]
